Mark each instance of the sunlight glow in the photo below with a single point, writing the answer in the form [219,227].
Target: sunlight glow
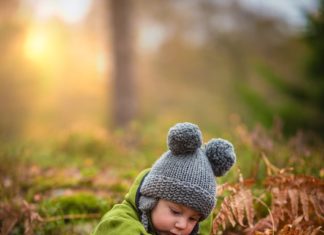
[36,45]
[102,63]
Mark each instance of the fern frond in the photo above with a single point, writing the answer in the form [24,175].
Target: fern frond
[298,228]
[236,207]
[297,206]
[304,203]
[293,196]
[228,211]
[317,200]
[249,208]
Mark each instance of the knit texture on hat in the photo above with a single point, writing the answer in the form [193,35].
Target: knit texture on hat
[186,173]
[184,180]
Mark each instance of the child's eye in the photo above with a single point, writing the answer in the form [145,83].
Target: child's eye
[194,219]
[175,212]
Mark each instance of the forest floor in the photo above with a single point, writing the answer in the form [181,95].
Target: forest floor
[67,184]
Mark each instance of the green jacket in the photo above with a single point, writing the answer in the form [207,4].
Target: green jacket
[123,219]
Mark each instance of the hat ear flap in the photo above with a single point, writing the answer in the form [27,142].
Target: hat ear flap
[221,156]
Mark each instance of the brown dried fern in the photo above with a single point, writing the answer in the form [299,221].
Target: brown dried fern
[297,205]
[12,213]
[295,199]
[236,207]
[297,228]
[291,192]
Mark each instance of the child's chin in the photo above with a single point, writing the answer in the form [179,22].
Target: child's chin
[166,233]
[170,233]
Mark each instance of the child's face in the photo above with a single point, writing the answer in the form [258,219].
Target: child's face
[170,218]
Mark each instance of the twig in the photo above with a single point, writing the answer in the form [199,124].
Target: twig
[270,167]
[72,217]
[270,214]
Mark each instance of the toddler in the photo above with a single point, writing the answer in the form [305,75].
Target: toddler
[177,195]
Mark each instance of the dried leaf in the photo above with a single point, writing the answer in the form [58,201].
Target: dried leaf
[317,200]
[279,200]
[263,225]
[31,218]
[286,230]
[309,230]
[316,230]
[220,219]
[297,206]
[227,211]
[289,229]
[304,203]
[223,219]
[293,196]
[297,221]
[235,206]
[238,208]
[8,224]
[9,217]
[248,205]
[221,188]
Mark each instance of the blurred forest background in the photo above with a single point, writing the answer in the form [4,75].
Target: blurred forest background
[200,61]
[91,87]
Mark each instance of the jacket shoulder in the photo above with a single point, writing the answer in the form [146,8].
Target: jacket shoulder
[119,226]
[123,218]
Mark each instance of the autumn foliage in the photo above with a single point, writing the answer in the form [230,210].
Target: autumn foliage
[296,208]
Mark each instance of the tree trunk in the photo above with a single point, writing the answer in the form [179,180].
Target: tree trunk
[124,97]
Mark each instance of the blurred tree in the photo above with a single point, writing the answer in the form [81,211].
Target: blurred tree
[314,36]
[125,102]
[8,8]
[244,61]
[13,73]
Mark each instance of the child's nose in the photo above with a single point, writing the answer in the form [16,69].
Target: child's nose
[181,223]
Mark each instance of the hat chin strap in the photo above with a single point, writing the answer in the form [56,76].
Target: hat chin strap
[146,204]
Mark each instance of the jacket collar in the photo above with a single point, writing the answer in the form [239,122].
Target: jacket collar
[133,194]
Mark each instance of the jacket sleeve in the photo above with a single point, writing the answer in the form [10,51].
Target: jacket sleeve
[119,226]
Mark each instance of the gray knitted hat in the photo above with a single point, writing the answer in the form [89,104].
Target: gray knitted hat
[186,173]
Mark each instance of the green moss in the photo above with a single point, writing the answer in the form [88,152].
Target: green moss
[89,172]
[41,184]
[129,175]
[119,187]
[81,203]
[56,212]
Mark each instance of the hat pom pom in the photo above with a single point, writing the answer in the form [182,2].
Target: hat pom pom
[221,155]
[184,138]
